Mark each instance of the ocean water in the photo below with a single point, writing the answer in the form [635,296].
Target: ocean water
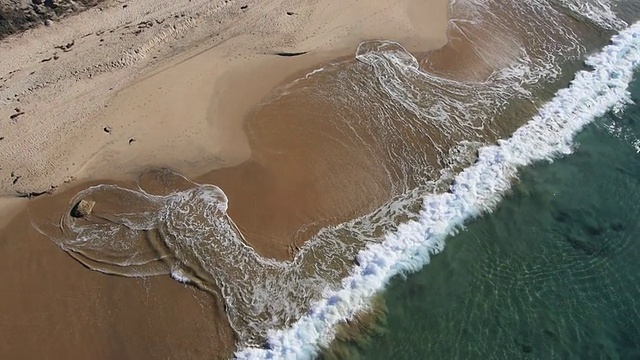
[367,166]
[552,273]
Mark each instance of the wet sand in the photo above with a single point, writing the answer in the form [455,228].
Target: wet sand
[182,104]
[53,307]
[306,172]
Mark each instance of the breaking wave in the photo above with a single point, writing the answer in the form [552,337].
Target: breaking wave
[476,190]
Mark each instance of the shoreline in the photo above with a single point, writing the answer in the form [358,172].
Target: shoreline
[107,117]
[174,95]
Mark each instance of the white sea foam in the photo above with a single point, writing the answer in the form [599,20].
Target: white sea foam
[597,11]
[314,72]
[477,189]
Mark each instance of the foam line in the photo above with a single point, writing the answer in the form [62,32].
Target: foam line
[476,190]
[597,11]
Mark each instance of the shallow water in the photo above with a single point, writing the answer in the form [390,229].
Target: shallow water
[553,273]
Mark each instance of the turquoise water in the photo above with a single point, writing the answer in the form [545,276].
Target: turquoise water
[553,273]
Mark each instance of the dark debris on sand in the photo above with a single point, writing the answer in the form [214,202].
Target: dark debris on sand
[19,15]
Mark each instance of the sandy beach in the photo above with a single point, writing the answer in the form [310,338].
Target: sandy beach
[102,95]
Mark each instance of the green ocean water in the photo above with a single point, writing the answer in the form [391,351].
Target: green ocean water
[553,273]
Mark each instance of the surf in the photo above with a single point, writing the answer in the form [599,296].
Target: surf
[476,190]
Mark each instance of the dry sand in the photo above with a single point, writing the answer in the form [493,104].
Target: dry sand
[108,92]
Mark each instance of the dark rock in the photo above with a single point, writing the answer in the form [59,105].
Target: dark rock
[50,4]
[83,208]
[18,15]
[583,245]
[244,7]
[107,129]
